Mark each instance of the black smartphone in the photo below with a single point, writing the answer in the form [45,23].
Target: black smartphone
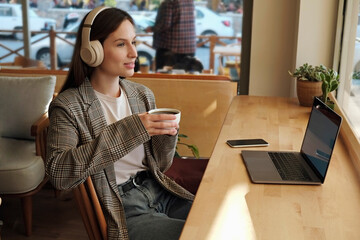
[247,143]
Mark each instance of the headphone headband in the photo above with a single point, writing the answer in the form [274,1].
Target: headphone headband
[92,15]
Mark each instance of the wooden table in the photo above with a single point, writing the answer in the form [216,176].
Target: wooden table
[231,50]
[229,206]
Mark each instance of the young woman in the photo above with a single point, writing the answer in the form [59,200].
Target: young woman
[99,127]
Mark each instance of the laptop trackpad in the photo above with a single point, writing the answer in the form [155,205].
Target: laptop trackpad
[260,167]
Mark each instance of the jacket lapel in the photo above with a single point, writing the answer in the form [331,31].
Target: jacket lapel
[137,106]
[96,118]
[97,123]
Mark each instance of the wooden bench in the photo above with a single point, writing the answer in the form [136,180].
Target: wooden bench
[203,99]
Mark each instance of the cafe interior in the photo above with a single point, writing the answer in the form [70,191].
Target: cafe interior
[277,36]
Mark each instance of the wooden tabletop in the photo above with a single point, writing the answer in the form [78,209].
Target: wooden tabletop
[229,50]
[229,206]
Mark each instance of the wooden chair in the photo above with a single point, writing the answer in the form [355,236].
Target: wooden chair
[187,172]
[90,210]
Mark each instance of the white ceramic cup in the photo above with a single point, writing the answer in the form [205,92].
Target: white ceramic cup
[174,111]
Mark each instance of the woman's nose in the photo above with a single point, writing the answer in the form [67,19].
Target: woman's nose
[133,51]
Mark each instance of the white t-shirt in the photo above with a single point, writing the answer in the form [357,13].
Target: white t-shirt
[114,110]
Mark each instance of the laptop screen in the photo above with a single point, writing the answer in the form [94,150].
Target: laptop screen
[320,136]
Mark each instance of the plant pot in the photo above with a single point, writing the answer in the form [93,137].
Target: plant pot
[306,91]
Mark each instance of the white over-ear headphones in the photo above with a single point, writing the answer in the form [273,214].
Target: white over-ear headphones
[91,52]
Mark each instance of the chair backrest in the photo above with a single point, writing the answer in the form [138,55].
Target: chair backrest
[22,101]
[90,209]
[202,114]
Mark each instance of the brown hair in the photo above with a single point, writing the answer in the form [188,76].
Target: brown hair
[104,24]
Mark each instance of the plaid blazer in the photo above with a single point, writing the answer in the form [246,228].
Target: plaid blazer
[81,144]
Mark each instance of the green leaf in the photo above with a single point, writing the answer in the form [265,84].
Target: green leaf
[194,149]
[177,155]
[324,86]
[333,85]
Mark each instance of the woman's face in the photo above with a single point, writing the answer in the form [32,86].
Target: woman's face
[120,51]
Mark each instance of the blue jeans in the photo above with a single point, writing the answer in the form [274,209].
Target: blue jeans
[152,212]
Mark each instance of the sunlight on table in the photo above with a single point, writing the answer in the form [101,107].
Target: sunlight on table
[233,220]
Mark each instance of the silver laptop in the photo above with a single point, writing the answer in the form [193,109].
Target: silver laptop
[309,166]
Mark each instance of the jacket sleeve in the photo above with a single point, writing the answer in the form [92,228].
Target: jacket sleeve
[164,147]
[70,161]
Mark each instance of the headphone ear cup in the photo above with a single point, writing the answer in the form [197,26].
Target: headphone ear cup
[87,54]
[91,52]
[98,53]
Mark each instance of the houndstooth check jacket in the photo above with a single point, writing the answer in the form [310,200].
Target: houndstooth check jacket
[81,144]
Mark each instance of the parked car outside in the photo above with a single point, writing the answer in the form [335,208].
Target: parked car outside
[208,22]
[11,19]
[41,49]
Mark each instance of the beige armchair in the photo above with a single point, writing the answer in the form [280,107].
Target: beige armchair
[23,102]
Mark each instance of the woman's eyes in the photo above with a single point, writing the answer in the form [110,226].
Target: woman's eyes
[122,44]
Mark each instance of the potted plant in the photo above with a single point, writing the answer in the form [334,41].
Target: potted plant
[194,149]
[316,81]
[308,85]
[330,82]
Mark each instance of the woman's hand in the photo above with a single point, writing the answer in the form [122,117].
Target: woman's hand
[159,124]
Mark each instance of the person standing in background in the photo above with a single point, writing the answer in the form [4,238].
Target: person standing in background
[133,6]
[142,6]
[174,31]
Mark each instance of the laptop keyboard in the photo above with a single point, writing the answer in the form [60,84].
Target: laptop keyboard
[289,166]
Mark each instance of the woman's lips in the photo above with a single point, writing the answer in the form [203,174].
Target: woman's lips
[130,65]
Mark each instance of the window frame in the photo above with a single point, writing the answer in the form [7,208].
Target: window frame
[344,63]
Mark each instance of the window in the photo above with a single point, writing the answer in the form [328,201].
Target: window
[226,25]
[5,12]
[349,90]
[199,14]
